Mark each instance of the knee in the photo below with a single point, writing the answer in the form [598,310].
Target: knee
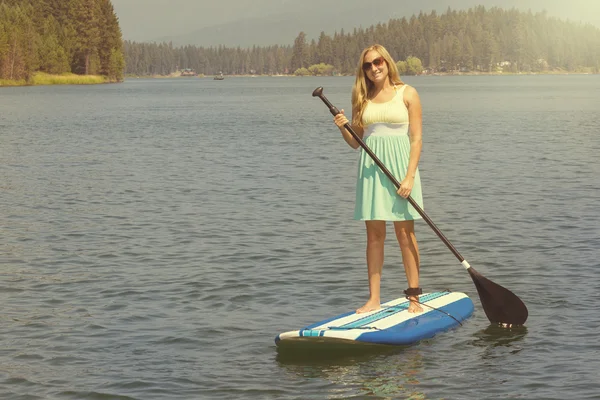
[375,237]
[404,236]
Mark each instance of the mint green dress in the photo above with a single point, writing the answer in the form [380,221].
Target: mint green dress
[386,134]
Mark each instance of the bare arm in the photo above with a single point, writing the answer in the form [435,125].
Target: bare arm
[340,120]
[413,103]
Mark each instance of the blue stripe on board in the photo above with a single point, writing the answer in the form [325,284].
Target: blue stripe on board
[310,332]
[323,322]
[388,311]
[424,326]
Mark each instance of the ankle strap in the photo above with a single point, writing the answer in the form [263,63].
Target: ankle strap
[413,291]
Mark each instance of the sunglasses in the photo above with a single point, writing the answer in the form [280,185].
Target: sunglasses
[376,62]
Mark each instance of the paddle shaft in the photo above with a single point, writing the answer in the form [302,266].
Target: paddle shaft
[377,161]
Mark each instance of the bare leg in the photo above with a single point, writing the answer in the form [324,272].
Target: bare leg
[405,233]
[375,242]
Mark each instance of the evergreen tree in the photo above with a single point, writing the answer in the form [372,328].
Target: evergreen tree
[300,54]
[110,47]
[52,56]
[324,51]
[85,15]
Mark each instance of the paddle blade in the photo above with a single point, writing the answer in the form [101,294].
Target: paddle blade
[500,304]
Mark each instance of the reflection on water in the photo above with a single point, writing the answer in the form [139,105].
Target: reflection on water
[498,340]
[337,353]
[372,371]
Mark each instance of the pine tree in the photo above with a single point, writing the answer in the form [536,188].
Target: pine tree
[300,55]
[85,15]
[111,43]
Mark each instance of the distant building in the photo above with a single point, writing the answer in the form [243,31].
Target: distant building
[188,72]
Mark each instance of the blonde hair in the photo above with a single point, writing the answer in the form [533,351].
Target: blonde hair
[363,86]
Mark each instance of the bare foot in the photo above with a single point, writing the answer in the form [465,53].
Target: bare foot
[370,305]
[413,306]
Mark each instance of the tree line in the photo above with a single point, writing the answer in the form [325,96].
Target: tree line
[84,37]
[59,36]
[477,39]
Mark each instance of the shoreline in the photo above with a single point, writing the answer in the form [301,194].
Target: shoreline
[43,79]
[210,77]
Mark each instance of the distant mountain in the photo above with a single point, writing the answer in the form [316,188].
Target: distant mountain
[319,15]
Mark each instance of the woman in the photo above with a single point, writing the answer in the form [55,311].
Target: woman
[382,106]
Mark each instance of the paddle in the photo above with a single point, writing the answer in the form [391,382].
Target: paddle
[500,304]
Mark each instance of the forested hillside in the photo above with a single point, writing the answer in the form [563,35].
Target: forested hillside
[477,39]
[58,36]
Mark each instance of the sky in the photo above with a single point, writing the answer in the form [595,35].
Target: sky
[155,20]
[144,20]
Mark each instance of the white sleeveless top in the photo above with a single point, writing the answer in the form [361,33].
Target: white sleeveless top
[392,114]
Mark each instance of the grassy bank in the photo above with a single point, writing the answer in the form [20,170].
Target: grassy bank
[41,78]
[8,82]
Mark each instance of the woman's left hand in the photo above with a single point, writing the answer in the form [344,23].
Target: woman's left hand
[406,187]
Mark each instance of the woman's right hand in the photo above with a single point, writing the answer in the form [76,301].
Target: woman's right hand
[340,120]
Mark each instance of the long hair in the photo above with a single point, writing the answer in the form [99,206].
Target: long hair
[363,86]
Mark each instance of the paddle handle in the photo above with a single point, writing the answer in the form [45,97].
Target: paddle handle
[319,93]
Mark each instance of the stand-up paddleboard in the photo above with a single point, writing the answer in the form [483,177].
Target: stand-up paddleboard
[392,324]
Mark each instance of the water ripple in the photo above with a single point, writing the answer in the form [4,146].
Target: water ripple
[155,249]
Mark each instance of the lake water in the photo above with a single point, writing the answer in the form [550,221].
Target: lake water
[158,234]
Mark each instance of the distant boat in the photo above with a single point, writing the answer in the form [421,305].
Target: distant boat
[219,77]
[188,72]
